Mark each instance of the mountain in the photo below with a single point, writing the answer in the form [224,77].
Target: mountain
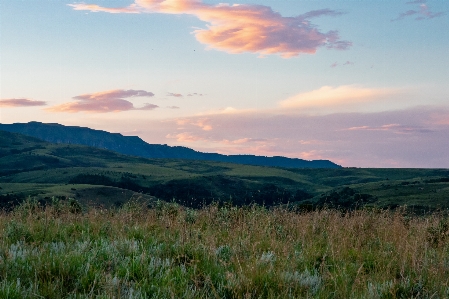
[134,146]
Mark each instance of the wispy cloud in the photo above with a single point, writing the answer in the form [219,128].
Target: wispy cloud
[133,8]
[422,12]
[106,101]
[176,95]
[185,137]
[203,123]
[240,28]
[394,128]
[335,64]
[195,94]
[21,103]
[328,96]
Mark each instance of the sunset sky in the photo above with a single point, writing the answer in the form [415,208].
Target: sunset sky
[361,83]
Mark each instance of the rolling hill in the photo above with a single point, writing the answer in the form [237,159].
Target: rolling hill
[93,176]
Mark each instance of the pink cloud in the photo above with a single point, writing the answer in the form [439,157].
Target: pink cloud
[115,94]
[106,101]
[173,107]
[422,12]
[21,103]
[133,8]
[185,137]
[203,124]
[176,95]
[243,28]
[415,137]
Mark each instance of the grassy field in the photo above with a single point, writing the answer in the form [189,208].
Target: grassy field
[220,252]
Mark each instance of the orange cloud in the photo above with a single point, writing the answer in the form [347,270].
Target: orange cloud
[203,124]
[176,95]
[106,101]
[20,103]
[243,28]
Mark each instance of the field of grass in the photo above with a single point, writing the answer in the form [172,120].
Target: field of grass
[220,252]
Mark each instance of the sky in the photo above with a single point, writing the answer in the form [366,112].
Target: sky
[360,83]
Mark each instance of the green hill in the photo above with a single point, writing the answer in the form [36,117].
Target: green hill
[32,167]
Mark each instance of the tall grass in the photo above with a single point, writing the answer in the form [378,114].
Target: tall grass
[220,252]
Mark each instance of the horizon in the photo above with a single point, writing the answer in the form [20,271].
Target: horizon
[359,84]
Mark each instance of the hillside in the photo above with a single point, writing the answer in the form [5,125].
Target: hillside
[133,145]
[32,167]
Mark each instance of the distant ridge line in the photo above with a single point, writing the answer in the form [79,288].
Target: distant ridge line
[135,146]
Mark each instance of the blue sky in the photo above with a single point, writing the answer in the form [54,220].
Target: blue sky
[371,92]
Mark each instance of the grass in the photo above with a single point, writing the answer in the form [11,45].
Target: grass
[220,252]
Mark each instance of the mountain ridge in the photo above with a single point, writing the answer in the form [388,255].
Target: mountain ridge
[135,146]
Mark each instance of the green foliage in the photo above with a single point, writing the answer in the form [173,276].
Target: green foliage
[345,198]
[31,167]
[438,233]
[226,252]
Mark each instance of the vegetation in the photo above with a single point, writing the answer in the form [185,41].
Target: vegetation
[60,251]
[81,222]
[32,167]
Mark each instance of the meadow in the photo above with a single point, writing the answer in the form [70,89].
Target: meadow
[82,222]
[220,251]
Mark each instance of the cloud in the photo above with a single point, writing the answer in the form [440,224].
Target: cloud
[404,138]
[394,128]
[173,107]
[195,94]
[241,28]
[133,8]
[21,103]
[335,64]
[328,96]
[422,12]
[115,94]
[300,135]
[185,137]
[176,95]
[202,123]
[106,101]
[147,106]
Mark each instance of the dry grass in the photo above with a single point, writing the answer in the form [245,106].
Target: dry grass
[222,252]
